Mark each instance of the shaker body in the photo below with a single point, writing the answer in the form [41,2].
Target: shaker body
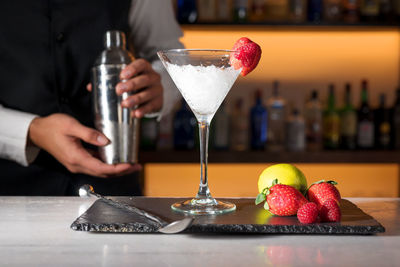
[114,121]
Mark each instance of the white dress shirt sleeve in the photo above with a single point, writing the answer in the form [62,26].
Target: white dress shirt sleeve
[14,127]
[153,28]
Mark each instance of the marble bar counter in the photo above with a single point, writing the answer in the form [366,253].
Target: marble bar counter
[35,231]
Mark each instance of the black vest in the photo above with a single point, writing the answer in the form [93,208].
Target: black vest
[47,48]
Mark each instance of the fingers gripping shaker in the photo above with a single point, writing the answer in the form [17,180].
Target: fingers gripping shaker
[111,118]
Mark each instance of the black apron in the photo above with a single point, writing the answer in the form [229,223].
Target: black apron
[47,50]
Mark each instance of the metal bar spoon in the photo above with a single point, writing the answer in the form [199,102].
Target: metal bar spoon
[164,227]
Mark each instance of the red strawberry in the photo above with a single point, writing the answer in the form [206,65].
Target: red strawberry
[246,56]
[281,200]
[320,191]
[308,213]
[330,211]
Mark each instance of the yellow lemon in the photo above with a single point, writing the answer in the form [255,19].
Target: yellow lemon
[286,174]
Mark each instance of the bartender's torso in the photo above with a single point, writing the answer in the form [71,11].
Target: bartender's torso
[47,48]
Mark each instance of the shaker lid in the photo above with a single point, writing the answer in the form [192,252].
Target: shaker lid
[114,39]
[115,52]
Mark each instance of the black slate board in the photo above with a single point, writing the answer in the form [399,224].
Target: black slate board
[248,218]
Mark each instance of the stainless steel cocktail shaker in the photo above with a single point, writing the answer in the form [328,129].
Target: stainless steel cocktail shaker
[111,118]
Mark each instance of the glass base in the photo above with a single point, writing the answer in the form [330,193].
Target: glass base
[207,206]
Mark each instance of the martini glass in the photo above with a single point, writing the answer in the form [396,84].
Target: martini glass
[204,78]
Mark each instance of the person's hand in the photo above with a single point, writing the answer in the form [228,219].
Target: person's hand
[140,75]
[143,84]
[61,136]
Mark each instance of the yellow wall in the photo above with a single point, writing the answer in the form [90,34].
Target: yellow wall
[240,180]
[304,55]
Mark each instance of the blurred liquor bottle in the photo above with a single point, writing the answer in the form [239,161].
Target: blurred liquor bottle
[258,9]
[148,133]
[207,10]
[383,129]
[184,128]
[295,132]
[298,10]
[175,7]
[240,11]
[351,13]
[348,121]
[220,124]
[332,10]
[165,132]
[396,121]
[331,121]
[258,123]
[369,10]
[313,121]
[314,11]
[386,11]
[396,9]
[187,11]
[225,10]
[277,10]
[276,107]
[239,127]
[365,121]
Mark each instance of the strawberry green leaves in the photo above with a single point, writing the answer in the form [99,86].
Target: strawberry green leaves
[260,198]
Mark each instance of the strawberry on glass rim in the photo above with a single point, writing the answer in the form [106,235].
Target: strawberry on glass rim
[246,55]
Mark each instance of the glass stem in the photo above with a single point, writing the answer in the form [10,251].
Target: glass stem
[204,192]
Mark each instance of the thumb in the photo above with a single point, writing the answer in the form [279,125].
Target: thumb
[89,87]
[89,135]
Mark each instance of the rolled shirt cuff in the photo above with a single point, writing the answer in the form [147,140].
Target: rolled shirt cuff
[14,128]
